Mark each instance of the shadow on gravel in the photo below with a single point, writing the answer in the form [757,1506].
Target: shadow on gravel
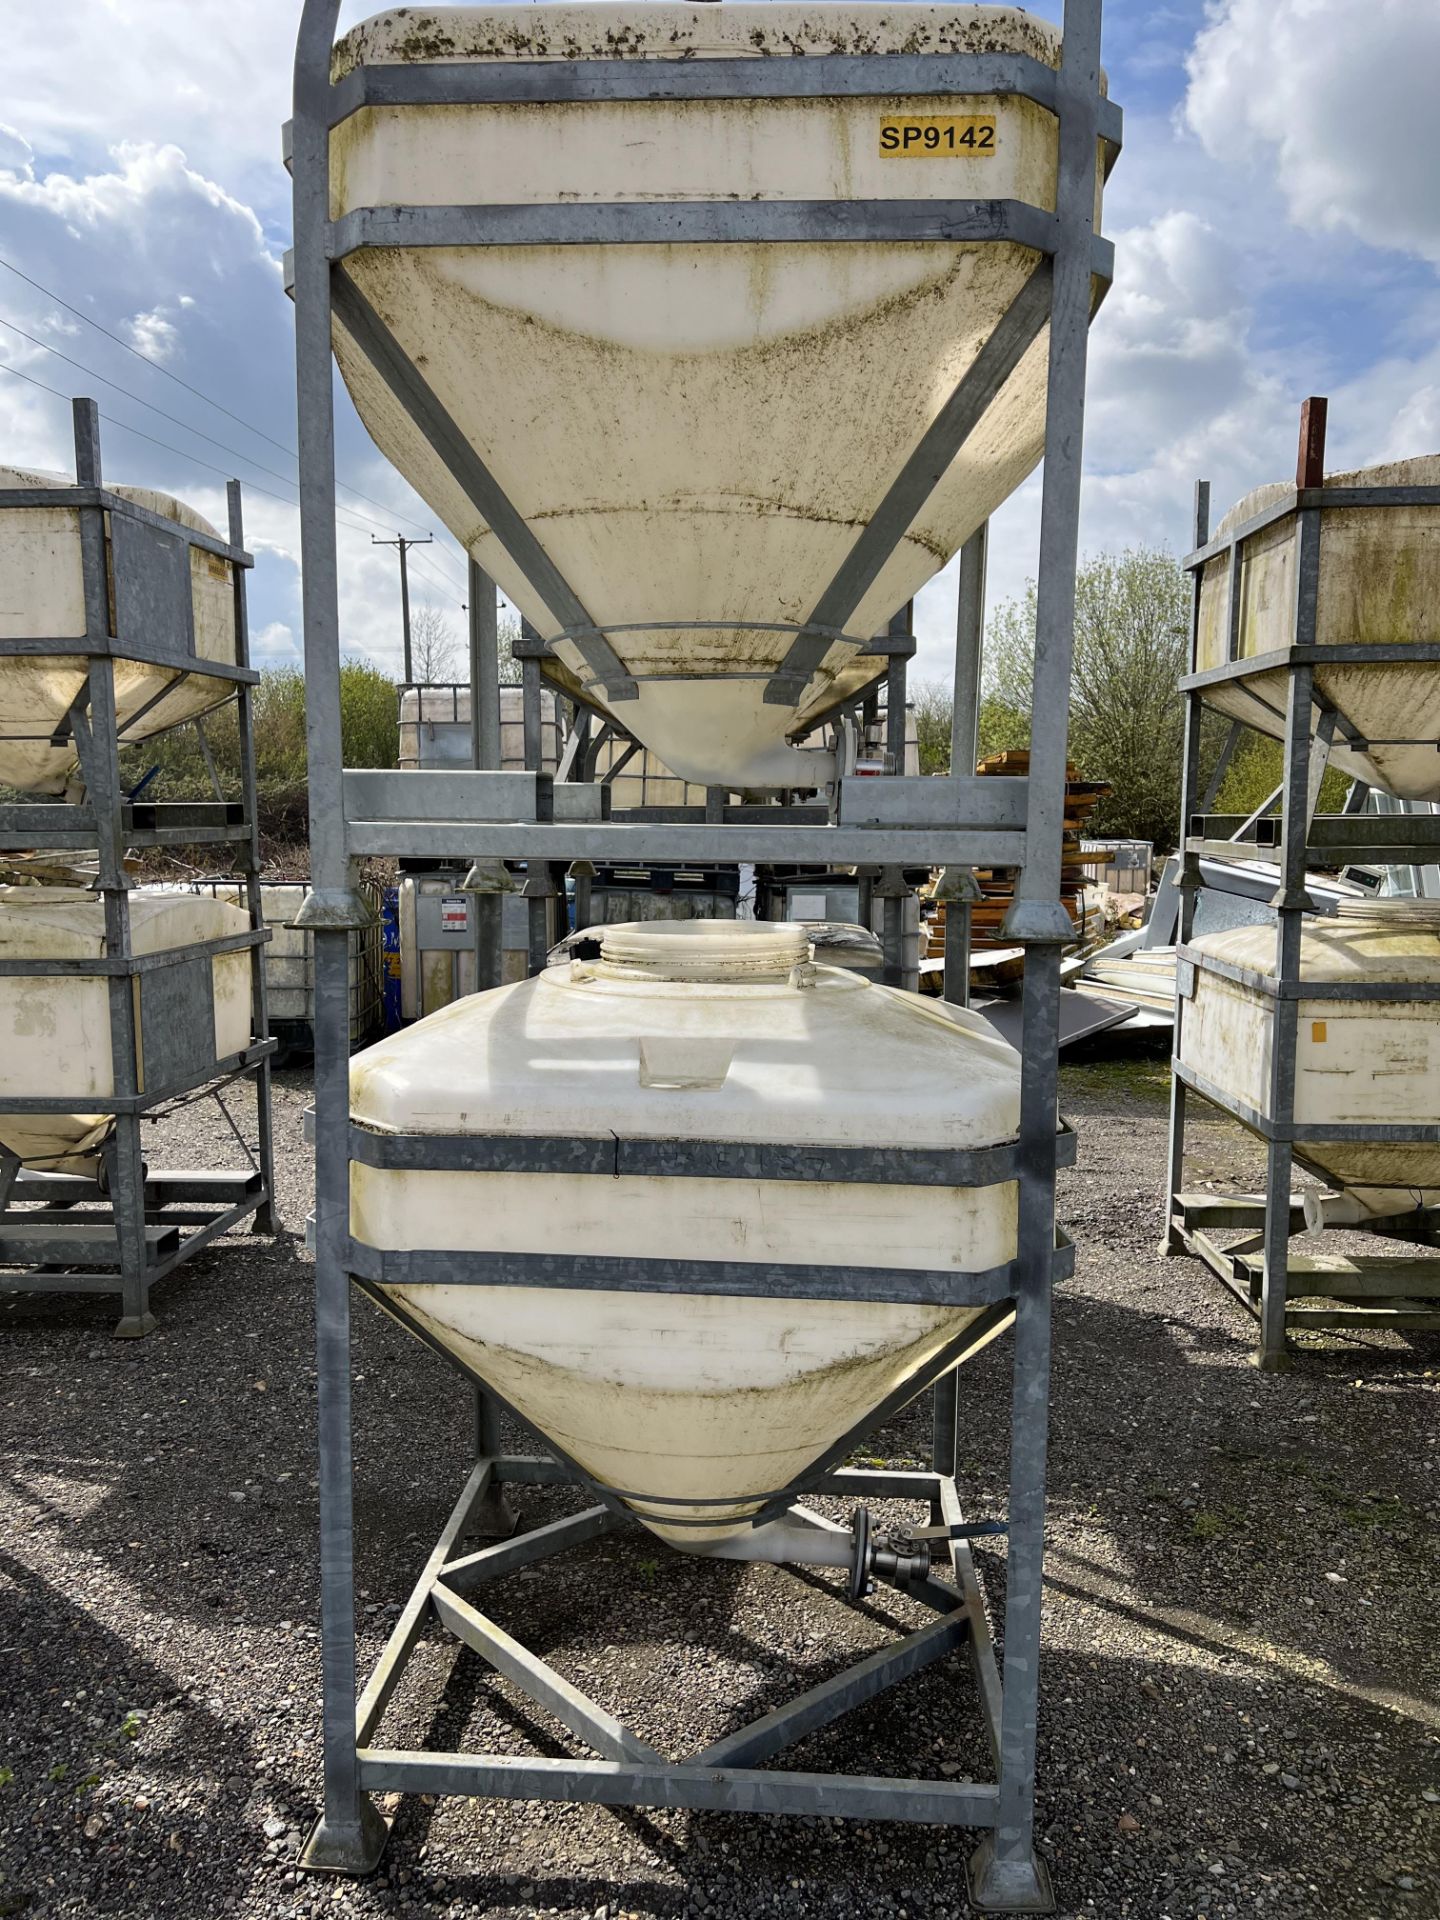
[126,1790]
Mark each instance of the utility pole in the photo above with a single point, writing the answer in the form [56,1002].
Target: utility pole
[404,546]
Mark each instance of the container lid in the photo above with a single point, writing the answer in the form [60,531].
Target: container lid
[715,950]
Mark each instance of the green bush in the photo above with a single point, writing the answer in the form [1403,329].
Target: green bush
[370,729]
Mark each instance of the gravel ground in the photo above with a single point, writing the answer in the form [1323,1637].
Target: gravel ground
[1239,1701]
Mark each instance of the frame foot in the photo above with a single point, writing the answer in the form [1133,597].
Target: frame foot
[353,1850]
[135,1326]
[1007,1886]
[1266,1362]
[493,1518]
[263,1221]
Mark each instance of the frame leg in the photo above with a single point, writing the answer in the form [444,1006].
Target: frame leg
[492,1515]
[264,1219]
[1170,1241]
[1005,1872]
[127,1200]
[1271,1356]
[350,1835]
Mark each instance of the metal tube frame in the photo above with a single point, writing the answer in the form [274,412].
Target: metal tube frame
[129,1236]
[1006,1873]
[1294,840]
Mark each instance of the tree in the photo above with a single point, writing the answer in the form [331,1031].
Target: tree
[1132,615]
[434,646]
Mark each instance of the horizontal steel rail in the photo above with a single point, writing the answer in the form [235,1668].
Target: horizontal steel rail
[1302,499]
[731,1279]
[109,647]
[735,1279]
[609,1156]
[224,1069]
[612,1783]
[1376,653]
[618,843]
[1417,1133]
[114,503]
[105,965]
[820,76]
[659,223]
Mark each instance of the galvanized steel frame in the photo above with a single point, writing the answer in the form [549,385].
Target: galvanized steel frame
[1301,837]
[107,822]
[1007,1872]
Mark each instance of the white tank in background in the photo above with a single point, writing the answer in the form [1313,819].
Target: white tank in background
[289,962]
[1356,1062]
[437,940]
[56,1028]
[42,596]
[805,374]
[435,728]
[1379,584]
[690,1030]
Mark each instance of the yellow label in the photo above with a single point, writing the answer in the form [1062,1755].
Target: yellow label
[934,136]
[1317,1031]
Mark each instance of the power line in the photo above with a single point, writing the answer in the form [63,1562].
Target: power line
[156,367]
[174,419]
[123,426]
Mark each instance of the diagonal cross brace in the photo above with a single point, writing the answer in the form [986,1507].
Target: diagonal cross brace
[540,1682]
[840,1694]
[1013,336]
[481,488]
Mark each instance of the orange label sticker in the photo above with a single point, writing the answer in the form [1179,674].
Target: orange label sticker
[1317,1032]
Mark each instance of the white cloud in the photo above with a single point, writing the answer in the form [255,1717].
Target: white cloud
[163,256]
[212,79]
[1337,97]
[153,335]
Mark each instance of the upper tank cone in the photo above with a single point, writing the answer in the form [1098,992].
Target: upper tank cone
[696,434]
[1379,584]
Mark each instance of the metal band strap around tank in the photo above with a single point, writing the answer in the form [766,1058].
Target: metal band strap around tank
[609,1156]
[807,77]
[1379,1133]
[1276,989]
[1297,499]
[736,1279]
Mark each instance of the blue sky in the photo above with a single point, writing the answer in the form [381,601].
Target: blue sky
[1276,214]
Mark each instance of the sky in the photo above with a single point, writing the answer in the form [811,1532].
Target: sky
[1275,213]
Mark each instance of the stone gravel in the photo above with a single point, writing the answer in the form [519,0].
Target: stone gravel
[1239,1686]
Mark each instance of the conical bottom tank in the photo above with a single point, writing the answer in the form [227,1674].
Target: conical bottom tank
[697,433]
[42,596]
[1379,584]
[696,1407]
[1358,1062]
[57,1026]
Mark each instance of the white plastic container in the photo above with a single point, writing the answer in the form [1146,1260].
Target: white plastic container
[42,596]
[1379,584]
[691,1030]
[57,1028]
[697,432]
[1356,1062]
[435,728]
[289,962]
